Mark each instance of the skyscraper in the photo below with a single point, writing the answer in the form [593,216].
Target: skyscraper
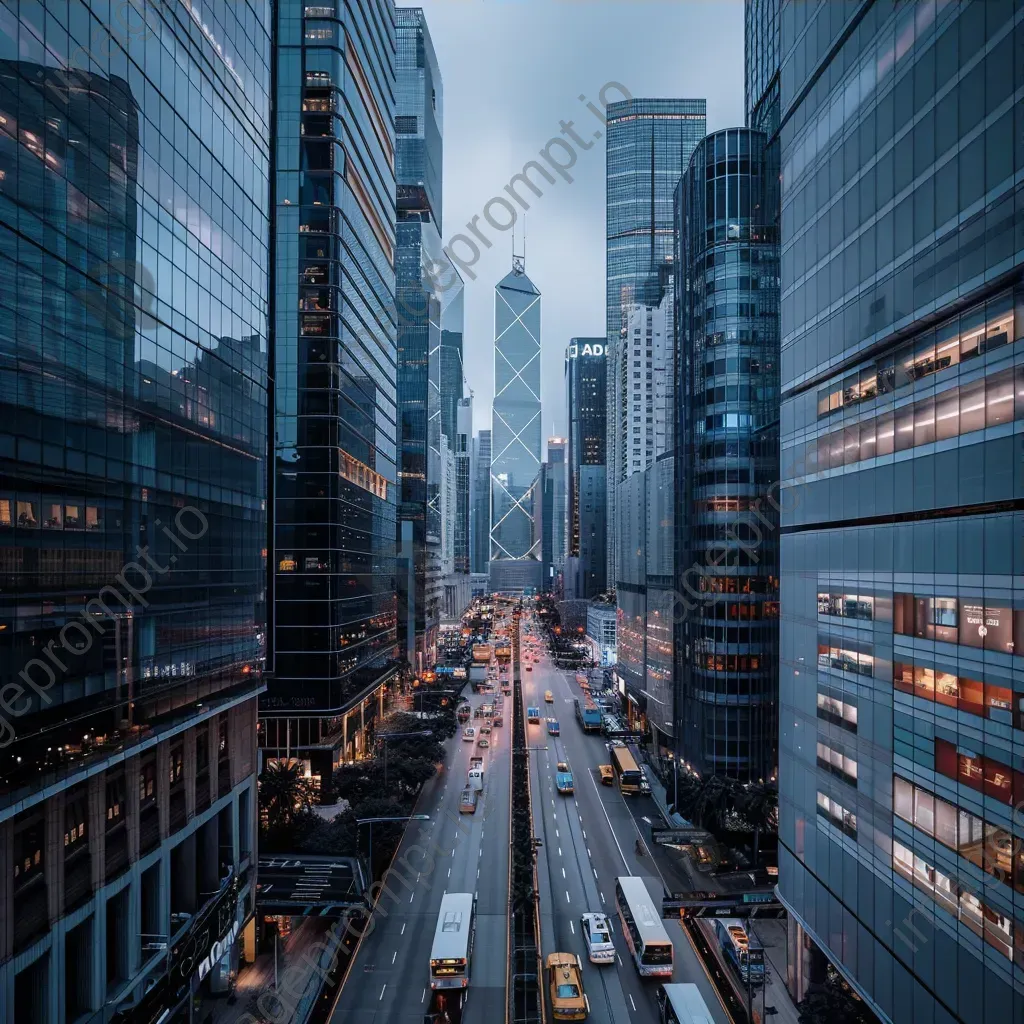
[480,499]
[133,383]
[727,621]
[649,144]
[586,369]
[335,474]
[421,298]
[515,435]
[463,480]
[902,629]
[555,510]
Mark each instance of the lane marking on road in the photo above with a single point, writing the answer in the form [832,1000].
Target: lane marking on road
[477,872]
[602,896]
[567,900]
[643,817]
[402,932]
[619,958]
[595,872]
[589,854]
[631,1000]
[453,851]
[557,836]
[423,996]
[563,872]
[572,926]
[559,851]
[381,996]
[417,876]
[584,835]
[394,957]
[413,894]
[480,852]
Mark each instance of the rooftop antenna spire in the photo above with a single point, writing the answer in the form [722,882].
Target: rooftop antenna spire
[519,262]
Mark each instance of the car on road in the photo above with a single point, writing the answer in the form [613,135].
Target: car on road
[529,667]
[549,697]
[485,730]
[553,727]
[606,773]
[564,973]
[533,716]
[563,778]
[469,734]
[483,742]
[597,934]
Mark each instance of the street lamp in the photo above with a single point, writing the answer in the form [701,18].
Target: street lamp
[372,821]
[385,736]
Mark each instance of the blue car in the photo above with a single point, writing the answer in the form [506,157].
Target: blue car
[552,726]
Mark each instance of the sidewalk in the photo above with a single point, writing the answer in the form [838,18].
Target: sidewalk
[254,989]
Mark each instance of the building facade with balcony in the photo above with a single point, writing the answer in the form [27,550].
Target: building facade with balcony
[133,502]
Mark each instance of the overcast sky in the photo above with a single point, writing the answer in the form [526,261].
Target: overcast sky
[512,69]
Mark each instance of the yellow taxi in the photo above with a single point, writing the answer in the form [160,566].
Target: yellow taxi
[607,776]
[549,697]
[565,987]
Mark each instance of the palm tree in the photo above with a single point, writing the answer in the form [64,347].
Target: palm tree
[284,793]
[758,803]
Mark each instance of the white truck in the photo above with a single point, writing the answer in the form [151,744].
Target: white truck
[475,779]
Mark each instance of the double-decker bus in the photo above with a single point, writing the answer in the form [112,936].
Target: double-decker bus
[453,941]
[643,928]
[627,773]
[682,1004]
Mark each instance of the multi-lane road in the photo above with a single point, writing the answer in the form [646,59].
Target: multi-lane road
[589,839]
[390,977]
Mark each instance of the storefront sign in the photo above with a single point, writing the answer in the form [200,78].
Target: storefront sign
[213,925]
[217,951]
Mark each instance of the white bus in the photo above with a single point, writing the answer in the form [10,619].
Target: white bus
[682,1004]
[642,925]
[453,941]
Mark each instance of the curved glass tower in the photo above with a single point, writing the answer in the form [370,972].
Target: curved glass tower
[728,431]
[515,434]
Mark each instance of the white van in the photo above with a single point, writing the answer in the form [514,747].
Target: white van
[469,734]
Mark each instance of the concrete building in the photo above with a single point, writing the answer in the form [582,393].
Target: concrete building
[601,629]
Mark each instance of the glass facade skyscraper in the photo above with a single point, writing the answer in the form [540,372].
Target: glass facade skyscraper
[429,327]
[728,382]
[480,501]
[649,142]
[335,382]
[515,435]
[553,513]
[586,385]
[133,382]
[902,630]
